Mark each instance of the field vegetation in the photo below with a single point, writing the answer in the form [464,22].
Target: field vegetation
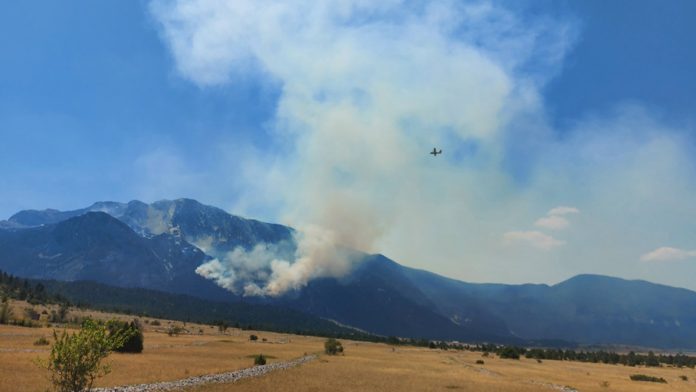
[198,349]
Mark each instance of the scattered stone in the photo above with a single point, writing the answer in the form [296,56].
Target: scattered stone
[228,377]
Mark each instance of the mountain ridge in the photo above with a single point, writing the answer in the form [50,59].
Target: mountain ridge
[160,245]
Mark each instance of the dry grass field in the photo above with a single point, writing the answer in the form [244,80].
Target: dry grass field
[364,367]
[375,367]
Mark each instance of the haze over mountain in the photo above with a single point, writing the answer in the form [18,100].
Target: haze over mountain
[152,246]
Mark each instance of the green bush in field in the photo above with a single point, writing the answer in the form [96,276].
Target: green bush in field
[260,360]
[509,353]
[175,330]
[333,346]
[134,344]
[643,377]
[5,311]
[76,359]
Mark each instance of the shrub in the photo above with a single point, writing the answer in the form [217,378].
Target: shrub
[509,353]
[5,312]
[174,330]
[643,377]
[42,341]
[156,323]
[684,378]
[333,346]
[253,337]
[32,314]
[479,362]
[259,359]
[63,311]
[134,344]
[75,359]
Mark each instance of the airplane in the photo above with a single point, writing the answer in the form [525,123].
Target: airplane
[434,152]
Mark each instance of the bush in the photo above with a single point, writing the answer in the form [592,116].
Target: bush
[134,344]
[509,353]
[75,359]
[479,362]
[684,378]
[333,346]
[259,359]
[63,311]
[253,337]
[643,377]
[42,341]
[32,314]
[174,330]
[5,312]
[156,323]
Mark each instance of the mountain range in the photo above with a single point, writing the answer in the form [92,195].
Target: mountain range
[158,246]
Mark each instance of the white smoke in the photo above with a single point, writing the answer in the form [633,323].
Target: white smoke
[272,269]
[367,88]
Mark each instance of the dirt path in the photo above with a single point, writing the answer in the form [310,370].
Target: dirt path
[210,378]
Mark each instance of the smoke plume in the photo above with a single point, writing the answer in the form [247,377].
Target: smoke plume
[367,89]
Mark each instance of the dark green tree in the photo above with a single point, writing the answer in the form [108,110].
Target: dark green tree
[333,346]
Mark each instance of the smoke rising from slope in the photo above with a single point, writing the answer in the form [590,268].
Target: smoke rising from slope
[366,90]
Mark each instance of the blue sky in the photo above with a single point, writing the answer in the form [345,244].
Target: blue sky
[105,101]
[87,89]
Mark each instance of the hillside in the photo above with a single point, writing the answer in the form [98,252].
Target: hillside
[157,304]
[158,247]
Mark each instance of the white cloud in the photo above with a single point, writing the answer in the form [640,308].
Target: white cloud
[666,253]
[555,219]
[562,210]
[536,239]
[553,222]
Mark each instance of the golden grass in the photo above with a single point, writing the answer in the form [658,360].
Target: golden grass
[375,367]
[164,357]
[364,367]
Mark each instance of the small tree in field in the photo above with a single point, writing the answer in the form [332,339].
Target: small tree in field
[134,343]
[333,346]
[76,359]
[259,359]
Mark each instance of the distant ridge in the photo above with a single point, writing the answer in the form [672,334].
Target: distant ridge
[159,245]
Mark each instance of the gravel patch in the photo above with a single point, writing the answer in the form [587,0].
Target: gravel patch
[558,387]
[22,350]
[228,377]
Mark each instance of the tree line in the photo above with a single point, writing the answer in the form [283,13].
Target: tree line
[14,287]
[597,356]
